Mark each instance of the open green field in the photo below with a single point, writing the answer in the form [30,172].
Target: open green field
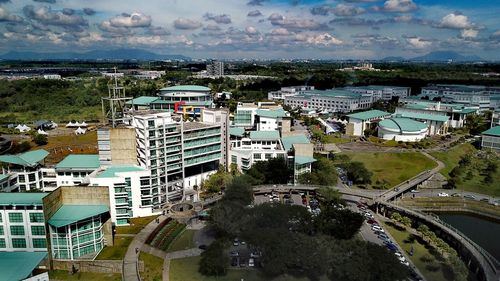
[183,241]
[425,258]
[187,269]
[451,157]
[117,251]
[394,168]
[324,138]
[153,267]
[64,275]
[135,226]
[473,175]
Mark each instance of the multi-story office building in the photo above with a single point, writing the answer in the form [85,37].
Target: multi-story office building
[335,100]
[219,116]
[215,68]
[300,154]
[248,148]
[381,92]
[22,222]
[24,170]
[288,92]
[261,117]
[481,97]
[131,192]
[456,113]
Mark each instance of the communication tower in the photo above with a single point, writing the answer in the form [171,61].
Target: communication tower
[113,106]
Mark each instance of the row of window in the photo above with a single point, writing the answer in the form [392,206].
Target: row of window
[18,217]
[20,243]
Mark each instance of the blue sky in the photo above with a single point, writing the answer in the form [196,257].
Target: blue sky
[327,29]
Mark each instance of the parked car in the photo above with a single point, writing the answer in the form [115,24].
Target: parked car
[255,255]
[405,263]
[456,195]
[377,228]
[391,247]
[236,242]
[414,191]
[383,236]
[251,262]
[470,196]
[485,200]
[371,221]
[443,194]
[243,262]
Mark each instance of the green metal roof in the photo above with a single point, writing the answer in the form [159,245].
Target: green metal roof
[186,88]
[300,160]
[234,131]
[4,176]
[79,161]
[68,214]
[417,106]
[370,114]
[423,116]
[144,100]
[271,113]
[495,131]
[30,158]
[187,103]
[333,93]
[111,171]
[21,198]
[403,124]
[264,135]
[466,110]
[288,142]
[19,265]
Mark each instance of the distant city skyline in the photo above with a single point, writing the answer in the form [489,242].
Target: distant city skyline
[267,29]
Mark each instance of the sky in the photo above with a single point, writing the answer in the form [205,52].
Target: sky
[255,29]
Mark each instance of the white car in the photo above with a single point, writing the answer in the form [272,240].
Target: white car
[405,263]
[251,262]
[414,191]
[443,194]
[377,228]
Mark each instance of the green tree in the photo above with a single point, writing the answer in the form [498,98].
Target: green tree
[339,223]
[214,261]
[357,172]
[323,173]
[40,139]
[396,217]
[217,181]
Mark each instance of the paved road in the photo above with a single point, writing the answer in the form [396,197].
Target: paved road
[461,193]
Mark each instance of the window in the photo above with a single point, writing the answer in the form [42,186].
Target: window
[268,156]
[17,230]
[18,243]
[1,219]
[21,178]
[36,217]
[15,217]
[121,200]
[31,177]
[2,243]
[151,123]
[144,182]
[39,243]
[37,230]
[1,230]
[257,156]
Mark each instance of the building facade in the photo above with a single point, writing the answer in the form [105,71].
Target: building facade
[381,92]
[402,129]
[248,148]
[186,99]
[24,170]
[288,92]
[466,95]
[336,100]
[491,138]
[360,121]
[215,68]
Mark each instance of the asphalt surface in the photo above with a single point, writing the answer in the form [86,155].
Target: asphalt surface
[450,192]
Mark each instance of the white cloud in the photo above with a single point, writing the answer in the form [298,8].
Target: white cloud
[131,20]
[280,31]
[418,43]
[250,30]
[318,39]
[6,16]
[342,10]
[187,24]
[455,21]
[401,6]
[469,33]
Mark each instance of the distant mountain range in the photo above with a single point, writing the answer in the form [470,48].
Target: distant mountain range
[438,56]
[116,54]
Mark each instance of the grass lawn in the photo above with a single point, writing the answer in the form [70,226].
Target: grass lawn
[153,267]
[472,178]
[425,258]
[183,241]
[116,252]
[64,275]
[62,145]
[187,269]
[136,225]
[451,157]
[394,168]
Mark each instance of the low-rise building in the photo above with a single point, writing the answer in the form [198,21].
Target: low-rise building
[248,148]
[335,100]
[402,129]
[456,113]
[288,92]
[466,95]
[382,92]
[300,154]
[491,138]
[73,169]
[360,121]
[24,170]
[436,124]
[261,117]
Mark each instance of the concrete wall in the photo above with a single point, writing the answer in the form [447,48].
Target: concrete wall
[100,266]
[123,146]
[286,125]
[303,149]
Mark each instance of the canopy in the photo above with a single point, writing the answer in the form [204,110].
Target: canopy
[80,131]
[41,132]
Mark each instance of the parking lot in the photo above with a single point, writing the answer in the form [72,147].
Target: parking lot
[242,255]
[275,197]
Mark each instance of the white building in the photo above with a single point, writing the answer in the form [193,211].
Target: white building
[22,223]
[288,92]
[491,138]
[456,113]
[335,100]
[261,117]
[131,192]
[248,148]
[466,95]
[381,92]
[402,129]
[24,170]
[185,99]
[360,121]
[73,169]
[52,76]
[215,68]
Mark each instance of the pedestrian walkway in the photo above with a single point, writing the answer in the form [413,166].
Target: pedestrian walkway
[130,262]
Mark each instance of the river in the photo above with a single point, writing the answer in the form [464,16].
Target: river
[482,231]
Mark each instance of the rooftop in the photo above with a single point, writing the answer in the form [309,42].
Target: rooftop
[495,131]
[30,158]
[21,198]
[288,142]
[144,100]
[186,88]
[79,161]
[111,171]
[19,265]
[198,125]
[403,124]
[234,131]
[271,113]
[68,214]
[370,114]
[264,135]
[423,116]
[4,176]
[300,160]
[378,87]
[333,93]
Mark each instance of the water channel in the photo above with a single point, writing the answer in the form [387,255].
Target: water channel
[486,233]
